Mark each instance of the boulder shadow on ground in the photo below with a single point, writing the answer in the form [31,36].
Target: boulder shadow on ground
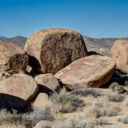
[119,77]
[10,103]
[93,53]
[34,63]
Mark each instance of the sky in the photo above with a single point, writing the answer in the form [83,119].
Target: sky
[92,18]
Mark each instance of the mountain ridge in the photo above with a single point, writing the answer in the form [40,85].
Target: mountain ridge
[99,45]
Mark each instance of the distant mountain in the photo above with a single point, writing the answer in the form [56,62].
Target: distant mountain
[18,40]
[101,46]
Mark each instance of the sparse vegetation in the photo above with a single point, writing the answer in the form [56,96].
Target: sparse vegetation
[69,103]
[106,112]
[117,88]
[123,120]
[103,122]
[115,97]
[17,119]
[84,91]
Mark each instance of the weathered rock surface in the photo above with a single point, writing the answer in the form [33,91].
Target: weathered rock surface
[12,58]
[48,80]
[17,91]
[41,102]
[94,70]
[119,52]
[51,50]
[4,75]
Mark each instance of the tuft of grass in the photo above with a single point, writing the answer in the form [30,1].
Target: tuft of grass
[103,122]
[15,119]
[98,112]
[123,120]
[115,98]
[117,88]
[84,91]
[69,103]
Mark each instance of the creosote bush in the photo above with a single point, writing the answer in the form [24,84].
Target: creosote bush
[115,98]
[99,112]
[69,103]
[123,119]
[103,122]
[84,91]
[17,119]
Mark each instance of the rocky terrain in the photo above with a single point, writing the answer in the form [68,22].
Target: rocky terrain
[59,79]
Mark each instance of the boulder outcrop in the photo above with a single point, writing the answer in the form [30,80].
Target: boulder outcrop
[51,50]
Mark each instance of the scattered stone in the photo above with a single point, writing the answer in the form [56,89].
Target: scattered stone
[94,70]
[41,102]
[17,91]
[51,50]
[48,80]
[12,58]
[119,53]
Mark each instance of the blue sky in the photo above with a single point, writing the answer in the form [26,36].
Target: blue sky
[93,18]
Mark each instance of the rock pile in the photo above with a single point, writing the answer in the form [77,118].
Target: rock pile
[61,58]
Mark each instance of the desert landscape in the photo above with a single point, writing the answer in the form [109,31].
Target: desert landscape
[57,78]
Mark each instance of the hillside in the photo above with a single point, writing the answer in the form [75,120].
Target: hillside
[18,40]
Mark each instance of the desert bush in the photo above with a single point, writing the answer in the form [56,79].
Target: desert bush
[17,119]
[103,122]
[27,120]
[115,98]
[69,103]
[117,88]
[123,119]
[84,91]
[99,104]
[98,112]
[40,114]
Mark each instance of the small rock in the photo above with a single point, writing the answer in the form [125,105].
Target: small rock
[49,81]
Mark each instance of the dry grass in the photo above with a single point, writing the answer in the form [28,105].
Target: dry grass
[12,126]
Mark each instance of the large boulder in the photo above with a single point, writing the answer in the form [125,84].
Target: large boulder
[119,53]
[49,81]
[94,70]
[17,91]
[51,50]
[12,58]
